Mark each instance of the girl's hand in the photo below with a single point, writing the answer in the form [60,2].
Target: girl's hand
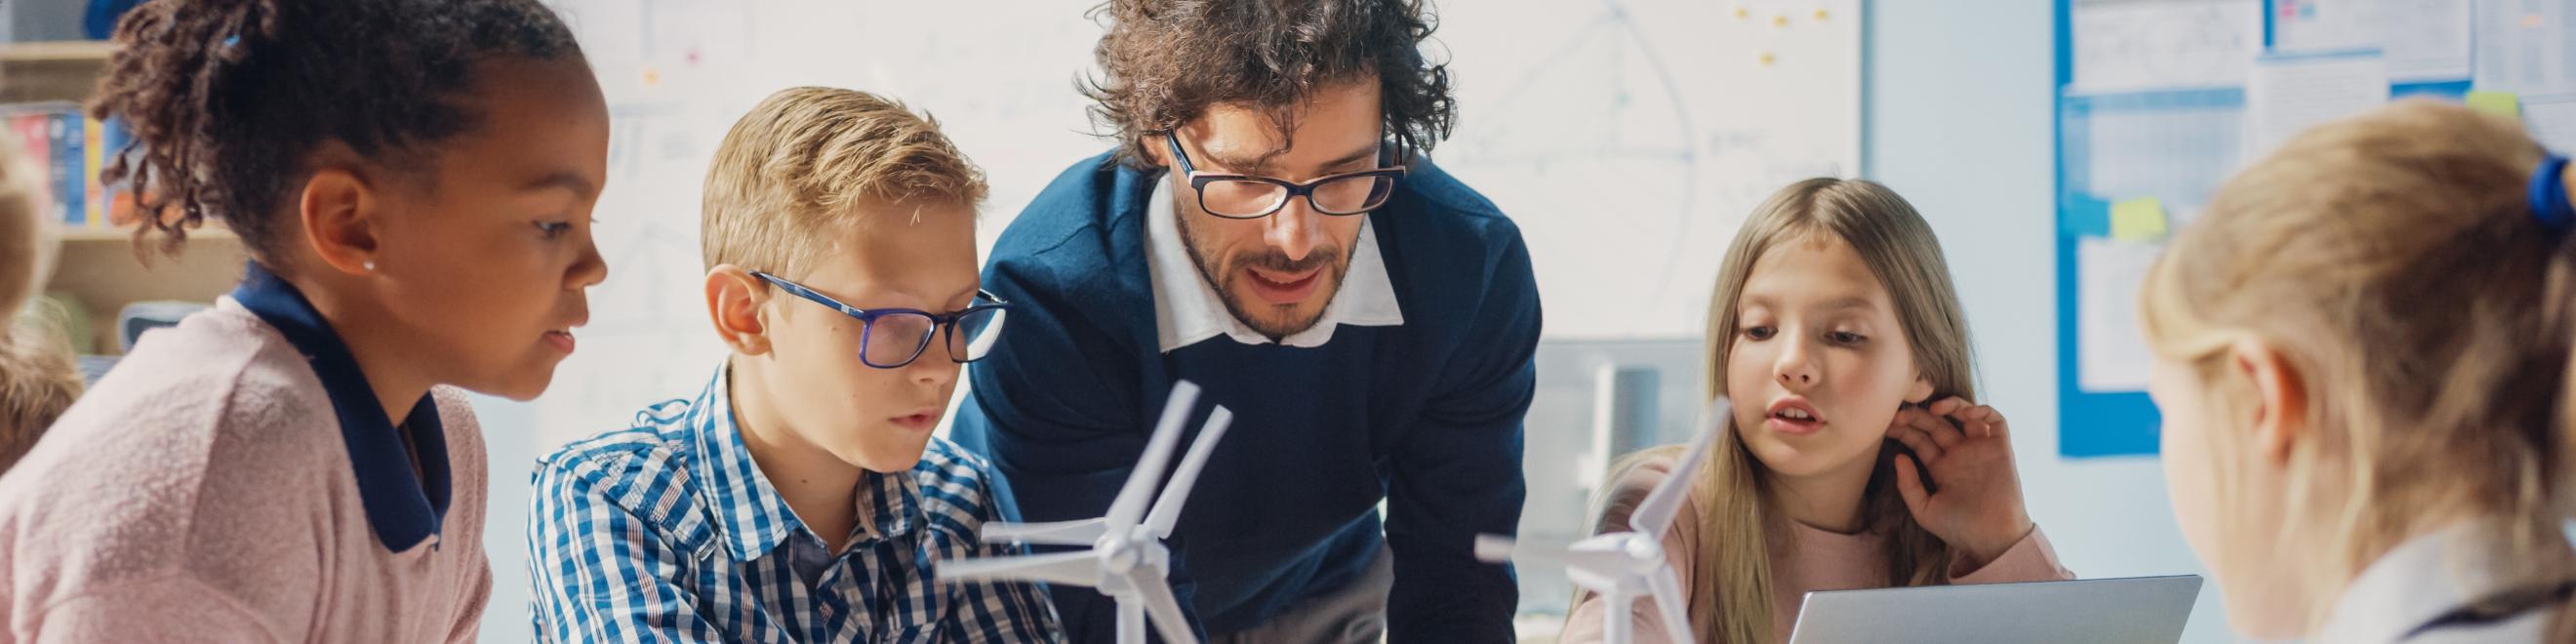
[1978,509]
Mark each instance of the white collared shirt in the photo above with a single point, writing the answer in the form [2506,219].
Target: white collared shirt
[2399,597]
[1188,311]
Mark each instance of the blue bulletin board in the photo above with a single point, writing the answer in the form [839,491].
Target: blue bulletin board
[2159,100]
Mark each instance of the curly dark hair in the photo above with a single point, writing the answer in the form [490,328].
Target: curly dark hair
[1166,61]
[226,97]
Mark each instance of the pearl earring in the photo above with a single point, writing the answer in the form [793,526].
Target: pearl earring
[370,265]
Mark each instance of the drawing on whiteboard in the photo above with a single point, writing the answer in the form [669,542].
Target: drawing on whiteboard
[1628,150]
[1567,124]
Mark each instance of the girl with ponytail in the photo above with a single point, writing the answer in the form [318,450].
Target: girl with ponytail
[413,181]
[2362,361]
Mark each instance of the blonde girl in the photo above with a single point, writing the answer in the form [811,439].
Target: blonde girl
[2361,358]
[1836,332]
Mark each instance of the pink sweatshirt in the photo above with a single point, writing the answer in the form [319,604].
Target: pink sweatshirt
[203,492]
[1818,560]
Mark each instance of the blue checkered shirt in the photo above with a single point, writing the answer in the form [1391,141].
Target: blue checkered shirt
[667,532]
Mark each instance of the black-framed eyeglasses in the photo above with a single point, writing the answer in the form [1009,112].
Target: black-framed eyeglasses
[892,338]
[1243,196]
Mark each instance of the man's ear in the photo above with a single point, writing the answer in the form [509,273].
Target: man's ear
[734,299]
[2280,413]
[1156,151]
[341,211]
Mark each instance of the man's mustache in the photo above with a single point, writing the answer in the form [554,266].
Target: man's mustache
[1278,262]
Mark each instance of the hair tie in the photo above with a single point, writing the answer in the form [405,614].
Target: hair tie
[2548,194]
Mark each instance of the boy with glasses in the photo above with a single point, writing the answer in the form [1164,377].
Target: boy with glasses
[801,496]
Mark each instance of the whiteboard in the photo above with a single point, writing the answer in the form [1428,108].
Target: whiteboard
[1628,140]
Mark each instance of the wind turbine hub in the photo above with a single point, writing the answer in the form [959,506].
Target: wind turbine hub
[1118,557]
[1644,551]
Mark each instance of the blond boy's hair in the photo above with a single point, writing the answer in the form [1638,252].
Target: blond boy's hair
[38,381]
[810,161]
[2393,262]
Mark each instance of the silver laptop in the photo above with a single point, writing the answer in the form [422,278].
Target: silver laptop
[2136,610]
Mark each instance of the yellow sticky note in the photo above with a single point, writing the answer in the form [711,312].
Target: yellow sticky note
[2502,104]
[2138,220]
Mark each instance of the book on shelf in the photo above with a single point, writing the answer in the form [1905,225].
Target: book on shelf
[71,150]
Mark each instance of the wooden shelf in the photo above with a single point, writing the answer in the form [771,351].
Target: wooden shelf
[125,235]
[52,71]
[101,268]
[95,51]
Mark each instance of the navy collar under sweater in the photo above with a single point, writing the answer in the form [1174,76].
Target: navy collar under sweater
[403,511]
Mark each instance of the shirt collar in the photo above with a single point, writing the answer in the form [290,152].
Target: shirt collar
[749,512]
[403,509]
[1188,311]
[2426,578]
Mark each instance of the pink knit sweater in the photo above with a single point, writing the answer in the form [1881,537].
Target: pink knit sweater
[1817,560]
[203,492]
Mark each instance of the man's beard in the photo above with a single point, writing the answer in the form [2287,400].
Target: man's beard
[1335,262]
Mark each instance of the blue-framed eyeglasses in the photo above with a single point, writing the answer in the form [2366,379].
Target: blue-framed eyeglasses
[892,338]
[1243,196]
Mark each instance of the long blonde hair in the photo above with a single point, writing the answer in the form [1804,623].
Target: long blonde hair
[1741,528]
[2391,260]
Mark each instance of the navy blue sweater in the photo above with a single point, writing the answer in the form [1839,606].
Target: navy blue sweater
[1425,416]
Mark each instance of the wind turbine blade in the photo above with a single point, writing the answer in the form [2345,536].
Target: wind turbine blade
[1617,625]
[1075,568]
[1054,533]
[1655,513]
[1667,587]
[1161,607]
[1167,509]
[1130,504]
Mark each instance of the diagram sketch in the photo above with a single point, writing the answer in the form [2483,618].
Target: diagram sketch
[1629,147]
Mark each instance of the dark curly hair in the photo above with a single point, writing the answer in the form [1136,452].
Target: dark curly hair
[1166,61]
[226,97]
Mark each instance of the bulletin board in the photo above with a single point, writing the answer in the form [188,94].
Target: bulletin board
[2158,101]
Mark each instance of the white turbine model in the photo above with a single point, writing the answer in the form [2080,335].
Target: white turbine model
[1127,560]
[1623,566]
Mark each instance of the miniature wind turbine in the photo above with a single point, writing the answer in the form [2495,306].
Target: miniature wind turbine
[1623,566]
[1127,560]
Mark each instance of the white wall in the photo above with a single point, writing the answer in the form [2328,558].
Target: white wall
[510,430]
[1959,121]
